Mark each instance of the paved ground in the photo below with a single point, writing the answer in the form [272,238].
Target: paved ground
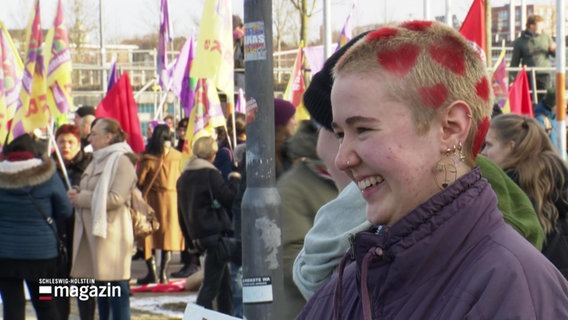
[144,305]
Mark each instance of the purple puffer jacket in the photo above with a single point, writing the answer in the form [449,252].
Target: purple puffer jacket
[453,257]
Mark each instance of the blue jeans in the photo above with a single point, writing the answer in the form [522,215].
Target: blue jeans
[119,307]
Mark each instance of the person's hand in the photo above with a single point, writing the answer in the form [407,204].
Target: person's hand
[72,194]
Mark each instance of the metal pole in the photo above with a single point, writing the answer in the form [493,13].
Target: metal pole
[326,29]
[102,45]
[449,20]
[561,76]
[261,227]
[523,13]
[426,9]
[489,36]
[512,30]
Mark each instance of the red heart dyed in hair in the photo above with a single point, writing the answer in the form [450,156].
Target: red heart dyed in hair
[449,52]
[482,89]
[416,25]
[399,60]
[382,33]
[434,96]
[482,128]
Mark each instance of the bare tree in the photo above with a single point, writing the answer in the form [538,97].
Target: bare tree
[285,25]
[305,10]
[81,21]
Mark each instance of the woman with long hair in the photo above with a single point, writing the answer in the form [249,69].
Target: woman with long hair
[158,171]
[521,147]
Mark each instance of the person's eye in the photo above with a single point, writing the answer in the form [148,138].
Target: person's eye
[339,135]
[362,130]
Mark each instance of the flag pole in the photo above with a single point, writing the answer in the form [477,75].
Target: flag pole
[59,157]
[561,77]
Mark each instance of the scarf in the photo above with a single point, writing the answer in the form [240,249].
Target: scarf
[98,203]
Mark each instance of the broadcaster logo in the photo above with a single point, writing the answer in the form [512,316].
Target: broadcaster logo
[83,289]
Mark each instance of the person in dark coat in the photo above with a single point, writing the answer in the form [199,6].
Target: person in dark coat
[75,160]
[411,106]
[30,190]
[202,197]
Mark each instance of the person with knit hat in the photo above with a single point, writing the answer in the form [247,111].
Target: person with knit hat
[326,241]
[30,193]
[284,127]
[411,106]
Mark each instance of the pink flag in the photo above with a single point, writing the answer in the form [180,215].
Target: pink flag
[314,55]
[473,26]
[519,95]
[120,105]
[499,81]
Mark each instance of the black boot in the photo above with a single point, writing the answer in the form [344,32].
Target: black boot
[166,256]
[190,266]
[151,277]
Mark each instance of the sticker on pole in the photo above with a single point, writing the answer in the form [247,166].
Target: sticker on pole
[255,41]
[257,289]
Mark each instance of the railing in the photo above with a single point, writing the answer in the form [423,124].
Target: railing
[87,88]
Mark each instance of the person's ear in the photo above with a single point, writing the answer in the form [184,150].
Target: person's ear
[456,121]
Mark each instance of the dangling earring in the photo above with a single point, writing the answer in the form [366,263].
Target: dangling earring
[461,156]
[446,170]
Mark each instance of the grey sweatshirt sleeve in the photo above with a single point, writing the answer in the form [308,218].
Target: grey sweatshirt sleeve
[327,241]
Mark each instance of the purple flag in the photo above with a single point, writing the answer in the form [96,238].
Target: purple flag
[165,37]
[241,104]
[112,75]
[346,31]
[182,85]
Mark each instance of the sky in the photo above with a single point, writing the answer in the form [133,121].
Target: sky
[129,18]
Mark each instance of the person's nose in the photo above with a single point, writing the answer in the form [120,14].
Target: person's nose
[346,157]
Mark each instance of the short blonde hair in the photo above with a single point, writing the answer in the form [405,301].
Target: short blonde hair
[205,147]
[427,66]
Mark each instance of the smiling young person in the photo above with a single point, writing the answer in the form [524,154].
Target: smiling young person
[411,106]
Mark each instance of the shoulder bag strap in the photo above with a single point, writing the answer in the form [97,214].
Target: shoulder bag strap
[149,186]
[47,218]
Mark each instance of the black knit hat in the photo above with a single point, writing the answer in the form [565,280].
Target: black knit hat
[317,97]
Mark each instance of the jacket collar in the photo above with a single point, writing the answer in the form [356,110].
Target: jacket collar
[423,221]
[19,174]
[196,163]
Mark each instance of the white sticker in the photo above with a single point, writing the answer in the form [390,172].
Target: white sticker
[257,289]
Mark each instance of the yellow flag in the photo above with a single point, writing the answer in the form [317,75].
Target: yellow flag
[11,72]
[205,116]
[32,111]
[58,62]
[214,52]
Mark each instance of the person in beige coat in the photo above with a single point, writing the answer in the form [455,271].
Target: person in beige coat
[158,171]
[103,237]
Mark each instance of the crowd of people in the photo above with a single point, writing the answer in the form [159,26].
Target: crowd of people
[401,197]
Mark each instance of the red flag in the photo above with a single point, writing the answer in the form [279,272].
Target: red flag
[473,26]
[519,95]
[119,104]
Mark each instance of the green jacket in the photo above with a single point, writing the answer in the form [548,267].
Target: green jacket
[532,50]
[515,205]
